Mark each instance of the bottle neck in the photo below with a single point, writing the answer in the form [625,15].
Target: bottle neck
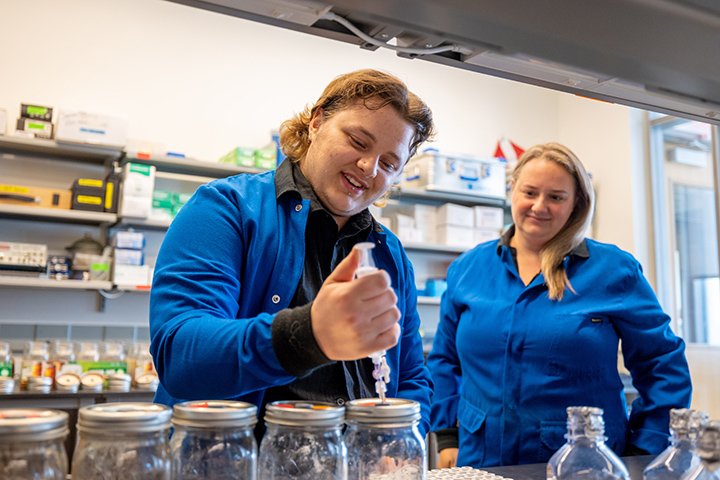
[585,425]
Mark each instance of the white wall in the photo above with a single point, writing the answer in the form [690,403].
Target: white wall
[202,83]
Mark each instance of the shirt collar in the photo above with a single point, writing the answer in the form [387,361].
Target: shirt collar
[580,251]
[289,178]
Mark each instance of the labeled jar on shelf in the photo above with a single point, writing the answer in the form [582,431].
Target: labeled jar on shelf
[35,362]
[214,440]
[123,441]
[32,444]
[383,440]
[7,369]
[303,441]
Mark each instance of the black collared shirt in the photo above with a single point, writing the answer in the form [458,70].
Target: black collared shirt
[319,378]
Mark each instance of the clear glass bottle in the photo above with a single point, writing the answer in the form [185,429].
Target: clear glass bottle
[383,441]
[585,455]
[123,441]
[303,441]
[32,444]
[34,361]
[708,449]
[680,457]
[214,439]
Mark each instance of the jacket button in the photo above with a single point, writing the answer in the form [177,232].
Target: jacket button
[276,299]
[298,207]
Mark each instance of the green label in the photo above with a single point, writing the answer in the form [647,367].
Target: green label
[35,110]
[141,169]
[6,369]
[36,126]
[103,367]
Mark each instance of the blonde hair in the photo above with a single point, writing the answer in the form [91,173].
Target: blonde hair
[375,89]
[573,232]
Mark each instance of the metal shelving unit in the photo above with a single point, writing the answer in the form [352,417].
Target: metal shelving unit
[188,166]
[32,282]
[435,196]
[57,215]
[60,150]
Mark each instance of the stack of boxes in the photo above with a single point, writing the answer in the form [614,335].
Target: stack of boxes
[138,184]
[167,204]
[35,121]
[264,158]
[449,224]
[129,268]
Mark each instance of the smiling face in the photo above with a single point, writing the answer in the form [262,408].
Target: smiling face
[354,156]
[543,198]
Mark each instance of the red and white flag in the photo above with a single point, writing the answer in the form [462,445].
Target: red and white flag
[508,150]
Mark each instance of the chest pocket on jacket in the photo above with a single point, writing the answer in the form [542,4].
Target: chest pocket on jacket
[552,437]
[583,348]
[471,434]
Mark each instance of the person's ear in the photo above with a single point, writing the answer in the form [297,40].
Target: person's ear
[315,122]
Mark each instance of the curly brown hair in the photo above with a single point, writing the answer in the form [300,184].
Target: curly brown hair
[375,89]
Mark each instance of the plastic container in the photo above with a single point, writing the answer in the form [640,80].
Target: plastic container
[32,444]
[585,455]
[214,440]
[680,457]
[123,441]
[382,438]
[303,441]
[708,449]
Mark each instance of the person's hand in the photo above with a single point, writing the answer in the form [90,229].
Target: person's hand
[352,318]
[447,458]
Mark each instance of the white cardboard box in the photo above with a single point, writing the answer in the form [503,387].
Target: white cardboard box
[136,189]
[92,128]
[131,275]
[489,217]
[482,235]
[458,215]
[455,236]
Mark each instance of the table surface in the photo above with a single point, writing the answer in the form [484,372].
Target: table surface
[536,471]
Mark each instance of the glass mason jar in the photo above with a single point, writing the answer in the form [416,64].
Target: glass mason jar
[303,441]
[123,441]
[32,444]
[383,440]
[585,455]
[680,457]
[214,439]
[708,449]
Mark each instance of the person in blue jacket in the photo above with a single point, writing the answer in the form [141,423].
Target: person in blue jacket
[530,325]
[253,296]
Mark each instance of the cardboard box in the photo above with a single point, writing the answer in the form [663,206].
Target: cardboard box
[36,128]
[138,183]
[88,194]
[455,236]
[482,235]
[489,217]
[36,112]
[458,215]
[92,128]
[35,196]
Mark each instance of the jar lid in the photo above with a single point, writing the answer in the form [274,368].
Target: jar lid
[67,380]
[300,413]
[375,411]
[28,424]
[214,414]
[125,417]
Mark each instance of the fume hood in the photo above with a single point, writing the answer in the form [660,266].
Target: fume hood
[661,55]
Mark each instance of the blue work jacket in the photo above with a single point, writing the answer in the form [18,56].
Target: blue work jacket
[231,260]
[507,361]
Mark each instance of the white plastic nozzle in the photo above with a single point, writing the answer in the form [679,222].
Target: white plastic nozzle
[367,265]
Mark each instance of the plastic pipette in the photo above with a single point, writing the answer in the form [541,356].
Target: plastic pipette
[381,372]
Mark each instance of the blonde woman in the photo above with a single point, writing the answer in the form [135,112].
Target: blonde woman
[530,324]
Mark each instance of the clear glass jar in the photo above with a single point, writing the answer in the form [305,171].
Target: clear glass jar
[32,444]
[585,455]
[383,441]
[680,457]
[708,449]
[214,439]
[123,441]
[34,360]
[303,441]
